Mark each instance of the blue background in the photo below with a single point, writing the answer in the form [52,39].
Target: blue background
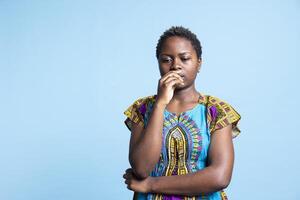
[68,70]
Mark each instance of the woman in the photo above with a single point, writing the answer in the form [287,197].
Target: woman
[181,140]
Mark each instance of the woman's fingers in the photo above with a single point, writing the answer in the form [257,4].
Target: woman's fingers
[173,81]
[129,188]
[168,80]
[128,174]
[171,78]
[129,170]
[166,84]
[170,73]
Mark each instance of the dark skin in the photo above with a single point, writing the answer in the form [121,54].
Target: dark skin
[178,64]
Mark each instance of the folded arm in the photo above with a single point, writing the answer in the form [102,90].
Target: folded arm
[214,177]
[145,144]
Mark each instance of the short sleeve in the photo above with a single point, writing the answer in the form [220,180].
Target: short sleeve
[135,113]
[220,114]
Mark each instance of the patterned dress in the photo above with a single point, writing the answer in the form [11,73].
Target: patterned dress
[185,138]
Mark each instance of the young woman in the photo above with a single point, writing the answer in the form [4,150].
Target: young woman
[181,140]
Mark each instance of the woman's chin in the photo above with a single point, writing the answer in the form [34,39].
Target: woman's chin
[180,87]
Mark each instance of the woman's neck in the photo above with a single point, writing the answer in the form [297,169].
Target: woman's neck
[186,95]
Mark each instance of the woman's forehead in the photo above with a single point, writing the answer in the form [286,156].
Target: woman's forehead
[177,44]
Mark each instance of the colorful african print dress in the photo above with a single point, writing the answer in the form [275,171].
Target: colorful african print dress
[185,138]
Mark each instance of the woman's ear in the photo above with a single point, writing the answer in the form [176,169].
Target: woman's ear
[199,64]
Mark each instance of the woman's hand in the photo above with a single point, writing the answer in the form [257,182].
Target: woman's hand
[167,85]
[143,186]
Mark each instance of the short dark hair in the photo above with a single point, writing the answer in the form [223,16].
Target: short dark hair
[179,31]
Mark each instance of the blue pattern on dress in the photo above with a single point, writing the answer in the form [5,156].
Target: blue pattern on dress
[194,124]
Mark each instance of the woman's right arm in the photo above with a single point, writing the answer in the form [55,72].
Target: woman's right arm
[145,143]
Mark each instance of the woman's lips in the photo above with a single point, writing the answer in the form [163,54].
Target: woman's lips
[180,73]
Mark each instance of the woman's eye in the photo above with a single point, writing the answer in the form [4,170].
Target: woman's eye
[166,60]
[185,59]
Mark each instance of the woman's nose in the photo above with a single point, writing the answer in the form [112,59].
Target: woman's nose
[175,67]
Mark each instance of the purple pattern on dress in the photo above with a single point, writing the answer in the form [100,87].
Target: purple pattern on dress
[172,197]
[213,112]
[143,109]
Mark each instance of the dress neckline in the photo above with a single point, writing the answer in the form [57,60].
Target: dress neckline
[200,99]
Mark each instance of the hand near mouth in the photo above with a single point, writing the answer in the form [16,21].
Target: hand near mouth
[167,85]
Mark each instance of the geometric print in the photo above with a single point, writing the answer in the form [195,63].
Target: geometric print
[182,138]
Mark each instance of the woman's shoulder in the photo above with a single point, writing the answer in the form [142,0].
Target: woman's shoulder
[140,104]
[221,114]
[203,98]
[211,100]
[137,110]
[215,102]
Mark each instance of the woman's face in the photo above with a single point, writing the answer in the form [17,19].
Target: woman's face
[179,55]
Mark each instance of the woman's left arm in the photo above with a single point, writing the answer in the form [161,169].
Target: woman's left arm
[216,176]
